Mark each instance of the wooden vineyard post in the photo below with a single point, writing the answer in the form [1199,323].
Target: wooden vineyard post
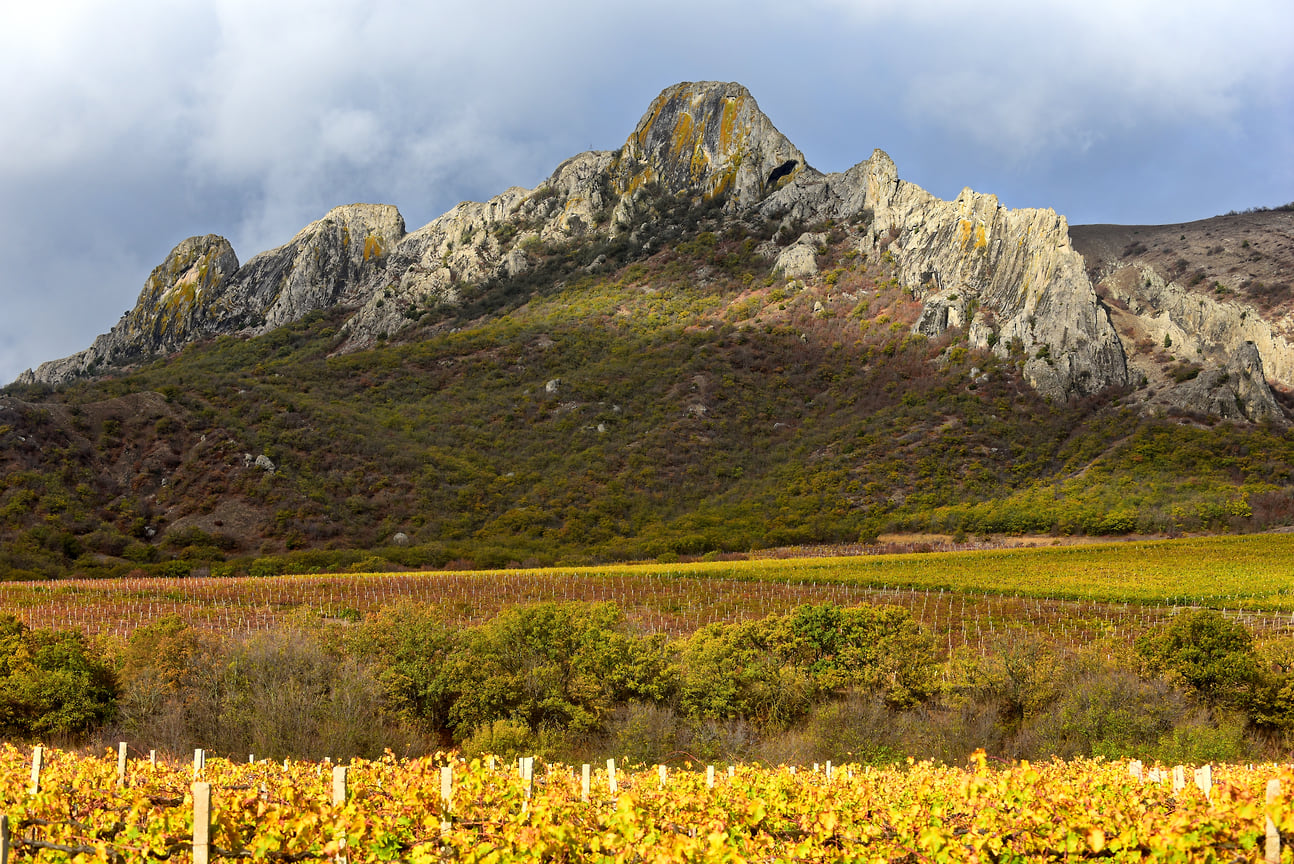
[446,798]
[1134,769]
[121,763]
[199,762]
[339,784]
[4,839]
[152,758]
[611,776]
[1204,780]
[663,773]
[709,776]
[1179,778]
[732,771]
[586,781]
[1273,850]
[201,823]
[447,787]
[37,760]
[528,776]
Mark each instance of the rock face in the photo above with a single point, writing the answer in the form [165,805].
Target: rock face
[799,260]
[181,294]
[1010,280]
[1236,390]
[710,139]
[199,290]
[329,262]
[1170,330]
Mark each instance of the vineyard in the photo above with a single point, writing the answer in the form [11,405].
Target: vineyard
[1068,595]
[106,809]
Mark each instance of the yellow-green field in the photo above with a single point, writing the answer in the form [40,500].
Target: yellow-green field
[1067,594]
[1254,571]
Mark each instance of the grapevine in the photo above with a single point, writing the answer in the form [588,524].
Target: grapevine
[393,810]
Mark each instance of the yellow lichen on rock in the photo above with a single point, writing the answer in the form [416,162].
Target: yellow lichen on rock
[682,132]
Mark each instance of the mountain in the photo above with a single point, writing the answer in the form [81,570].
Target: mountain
[694,343]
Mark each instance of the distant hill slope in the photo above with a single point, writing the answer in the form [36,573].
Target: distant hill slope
[694,344]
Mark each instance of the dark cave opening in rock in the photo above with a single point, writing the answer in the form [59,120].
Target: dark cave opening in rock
[780,171]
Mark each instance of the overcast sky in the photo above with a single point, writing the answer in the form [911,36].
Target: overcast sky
[127,126]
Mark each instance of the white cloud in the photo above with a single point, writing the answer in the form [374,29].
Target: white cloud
[1024,77]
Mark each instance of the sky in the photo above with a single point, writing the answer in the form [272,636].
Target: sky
[127,126]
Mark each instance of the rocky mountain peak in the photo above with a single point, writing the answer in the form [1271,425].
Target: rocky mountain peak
[707,138]
[1009,280]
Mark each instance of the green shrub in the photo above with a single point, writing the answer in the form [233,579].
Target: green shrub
[51,682]
[1211,656]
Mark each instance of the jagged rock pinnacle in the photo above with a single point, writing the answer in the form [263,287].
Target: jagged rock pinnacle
[707,138]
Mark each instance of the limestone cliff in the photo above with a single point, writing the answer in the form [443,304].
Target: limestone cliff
[179,296]
[328,262]
[1009,278]
[709,139]
[1195,338]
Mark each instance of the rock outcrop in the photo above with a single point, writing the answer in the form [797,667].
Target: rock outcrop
[200,290]
[329,262]
[1172,330]
[709,139]
[180,296]
[1235,389]
[1010,278]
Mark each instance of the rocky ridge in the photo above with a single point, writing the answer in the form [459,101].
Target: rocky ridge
[1207,333]
[1010,279]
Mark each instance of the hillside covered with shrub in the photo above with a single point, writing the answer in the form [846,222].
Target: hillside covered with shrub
[687,401]
[695,344]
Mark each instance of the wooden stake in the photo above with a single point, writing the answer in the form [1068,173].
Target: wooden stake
[339,784]
[201,823]
[1273,849]
[37,760]
[121,763]
[709,776]
[4,839]
[612,786]
[586,781]
[152,758]
[447,787]
[662,772]
[1204,780]
[199,762]
[528,775]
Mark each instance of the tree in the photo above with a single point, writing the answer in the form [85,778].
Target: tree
[1211,656]
[51,682]
[552,666]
